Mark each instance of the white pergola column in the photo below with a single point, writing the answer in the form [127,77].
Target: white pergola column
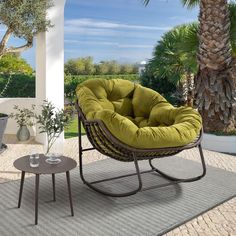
[50,64]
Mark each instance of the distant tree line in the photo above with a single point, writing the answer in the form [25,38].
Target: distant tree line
[86,66]
[17,77]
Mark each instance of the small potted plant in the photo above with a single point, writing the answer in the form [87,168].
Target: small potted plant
[24,119]
[52,122]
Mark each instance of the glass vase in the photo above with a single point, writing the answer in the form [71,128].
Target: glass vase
[53,155]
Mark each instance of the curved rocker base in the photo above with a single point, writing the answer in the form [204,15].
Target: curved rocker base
[173,180]
[132,192]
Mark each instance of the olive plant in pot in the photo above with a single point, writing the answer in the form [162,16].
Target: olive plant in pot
[52,122]
[24,119]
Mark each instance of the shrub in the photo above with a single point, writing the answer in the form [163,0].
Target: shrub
[20,85]
[161,85]
[14,63]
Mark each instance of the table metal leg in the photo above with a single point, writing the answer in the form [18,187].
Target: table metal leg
[69,191]
[36,197]
[21,187]
[54,188]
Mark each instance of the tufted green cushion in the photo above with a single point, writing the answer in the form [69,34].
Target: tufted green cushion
[138,116]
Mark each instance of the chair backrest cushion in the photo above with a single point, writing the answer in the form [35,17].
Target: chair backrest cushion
[138,116]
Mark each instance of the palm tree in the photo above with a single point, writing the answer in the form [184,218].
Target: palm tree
[175,59]
[215,80]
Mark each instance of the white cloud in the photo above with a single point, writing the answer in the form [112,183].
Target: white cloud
[107,43]
[135,46]
[101,24]
[71,41]
[182,19]
[69,29]
[107,33]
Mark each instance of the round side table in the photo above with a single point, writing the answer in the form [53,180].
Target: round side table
[66,164]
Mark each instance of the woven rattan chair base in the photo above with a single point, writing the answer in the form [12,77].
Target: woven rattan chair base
[103,141]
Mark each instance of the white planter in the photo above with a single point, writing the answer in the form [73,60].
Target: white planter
[219,143]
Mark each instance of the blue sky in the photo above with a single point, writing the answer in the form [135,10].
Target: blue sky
[122,30]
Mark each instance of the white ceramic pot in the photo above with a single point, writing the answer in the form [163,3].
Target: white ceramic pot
[23,133]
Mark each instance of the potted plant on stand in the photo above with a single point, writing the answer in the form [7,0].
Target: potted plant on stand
[24,119]
[52,122]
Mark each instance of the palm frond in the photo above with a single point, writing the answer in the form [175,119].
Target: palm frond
[175,54]
[145,2]
[190,3]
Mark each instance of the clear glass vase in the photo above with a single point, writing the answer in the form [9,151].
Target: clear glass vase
[53,156]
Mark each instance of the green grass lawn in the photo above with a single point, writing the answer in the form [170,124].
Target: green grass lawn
[72,130]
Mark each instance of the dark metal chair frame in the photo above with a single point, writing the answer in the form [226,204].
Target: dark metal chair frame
[103,141]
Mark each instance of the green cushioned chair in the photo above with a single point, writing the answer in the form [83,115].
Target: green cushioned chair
[129,122]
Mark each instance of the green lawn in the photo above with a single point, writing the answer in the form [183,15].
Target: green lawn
[72,130]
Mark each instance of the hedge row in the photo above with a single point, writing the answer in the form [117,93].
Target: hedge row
[19,85]
[22,85]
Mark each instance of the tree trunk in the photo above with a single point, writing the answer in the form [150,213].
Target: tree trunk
[190,89]
[215,81]
[3,44]
[216,103]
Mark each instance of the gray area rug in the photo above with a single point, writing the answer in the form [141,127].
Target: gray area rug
[149,213]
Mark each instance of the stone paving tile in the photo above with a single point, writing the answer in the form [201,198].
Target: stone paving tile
[219,221]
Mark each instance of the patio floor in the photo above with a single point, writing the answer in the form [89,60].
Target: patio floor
[219,222]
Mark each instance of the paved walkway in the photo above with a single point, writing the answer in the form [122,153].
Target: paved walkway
[220,221]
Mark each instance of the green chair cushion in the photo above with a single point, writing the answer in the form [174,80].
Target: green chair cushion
[138,116]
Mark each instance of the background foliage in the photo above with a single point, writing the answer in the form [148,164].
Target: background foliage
[86,66]
[13,63]
[159,84]
[71,82]
[21,85]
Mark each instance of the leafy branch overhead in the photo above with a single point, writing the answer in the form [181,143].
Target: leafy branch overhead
[22,19]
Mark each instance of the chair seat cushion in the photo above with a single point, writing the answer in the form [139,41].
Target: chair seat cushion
[138,116]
